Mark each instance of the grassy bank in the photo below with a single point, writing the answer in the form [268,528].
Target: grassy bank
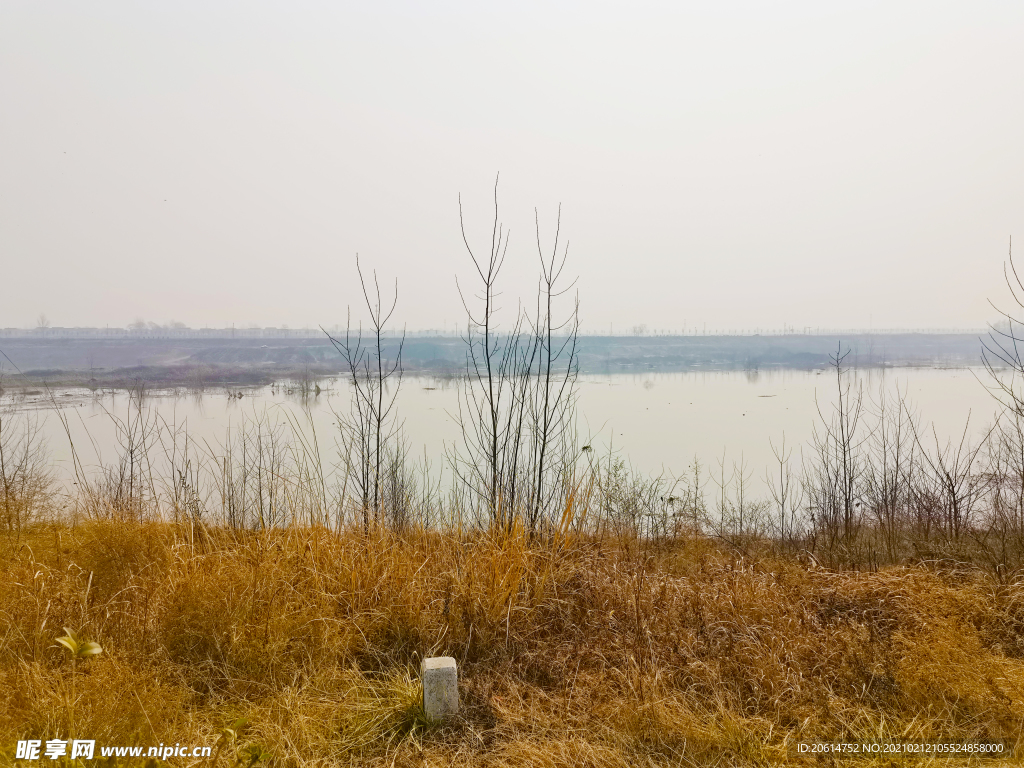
[574,650]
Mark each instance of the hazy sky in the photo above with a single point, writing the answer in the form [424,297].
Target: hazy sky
[735,164]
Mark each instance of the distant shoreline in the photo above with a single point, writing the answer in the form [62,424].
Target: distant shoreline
[118,362]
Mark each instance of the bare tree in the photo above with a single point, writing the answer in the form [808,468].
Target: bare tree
[1001,352]
[785,491]
[516,410]
[832,482]
[1003,359]
[1002,532]
[891,470]
[956,487]
[555,392]
[26,476]
[492,427]
[375,377]
[252,483]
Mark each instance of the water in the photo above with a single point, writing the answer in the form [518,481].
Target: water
[658,422]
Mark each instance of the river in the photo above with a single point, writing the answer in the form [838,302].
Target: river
[658,422]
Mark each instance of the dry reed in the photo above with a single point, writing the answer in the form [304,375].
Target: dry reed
[584,651]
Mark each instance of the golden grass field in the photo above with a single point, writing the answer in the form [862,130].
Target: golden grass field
[572,651]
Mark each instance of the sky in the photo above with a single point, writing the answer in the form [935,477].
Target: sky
[729,165]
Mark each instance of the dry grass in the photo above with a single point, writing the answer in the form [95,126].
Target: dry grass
[582,653]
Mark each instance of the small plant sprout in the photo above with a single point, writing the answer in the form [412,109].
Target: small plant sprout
[229,736]
[78,648]
[253,755]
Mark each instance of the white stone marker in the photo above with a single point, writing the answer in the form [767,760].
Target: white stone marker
[440,687]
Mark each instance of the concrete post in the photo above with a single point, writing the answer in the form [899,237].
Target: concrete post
[440,687]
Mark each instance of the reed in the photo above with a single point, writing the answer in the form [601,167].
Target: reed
[575,650]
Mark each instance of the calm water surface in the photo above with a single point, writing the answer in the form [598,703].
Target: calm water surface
[658,422]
